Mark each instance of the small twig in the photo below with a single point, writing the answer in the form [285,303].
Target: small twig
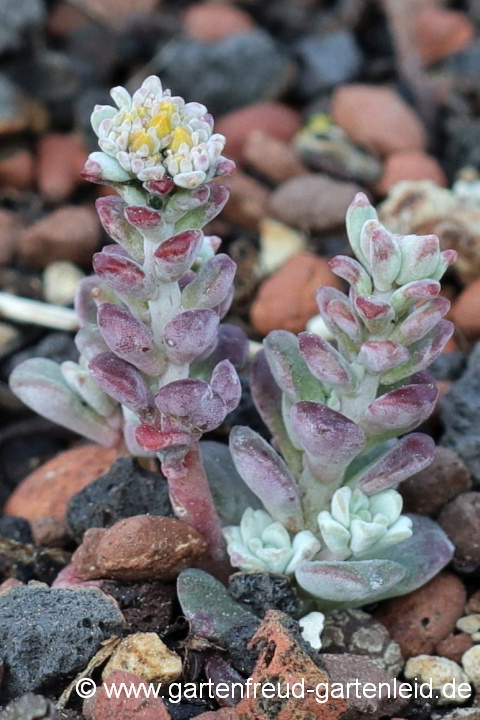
[34,312]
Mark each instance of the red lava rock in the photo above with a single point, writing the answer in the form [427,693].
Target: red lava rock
[429,490]
[60,160]
[273,158]
[454,646]
[464,312]
[275,119]
[461,521]
[10,226]
[103,707]
[282,659]
[69,233]
[420,620]
[411,165]
[17,170]
[248,202]
[144,547]
[313,202]
[50,532]
[114,10]
[222,714]
[214,21]
[378,118]
[441,32]
[47,491]
[287,299]
[8,584]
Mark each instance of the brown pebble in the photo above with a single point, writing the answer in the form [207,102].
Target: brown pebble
[214,21]
[464,312]
[411,165]
[10,226]
[441,32]
[378,118]
[248,202]
[46,492]
[69,233]
[274,159]
[143,547]
[461,521]
[60,161]
[273,118]
[429,490]
[473,605]
[420,620]
[287,299]
[17,169]
[453,646]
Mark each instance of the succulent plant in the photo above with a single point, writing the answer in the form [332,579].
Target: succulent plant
[156,368]
[332,515]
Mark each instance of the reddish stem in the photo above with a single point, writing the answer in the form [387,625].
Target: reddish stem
[192,502]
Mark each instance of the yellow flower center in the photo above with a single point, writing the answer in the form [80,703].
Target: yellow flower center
[180,135]
[140,138]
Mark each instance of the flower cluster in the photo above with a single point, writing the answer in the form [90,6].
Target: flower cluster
[156,137]
[335,409]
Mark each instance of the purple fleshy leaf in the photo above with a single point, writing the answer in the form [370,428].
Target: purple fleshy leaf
[423,556]
[85,305]
[401,410]
[122,274]
[175,256]
[378,356]
[351,271]
[153,439]
[89,342]
[421,321]
[375,313]
[194,402]
[111,211]
[409,456]
[324,362]
[359,212]
[408,295]
[39,383]
[210,610]
[212,284]
[197,219]
[330,440]
[123,382]
[226,383]
[267,397]
[447,258]
[289,368]
[183,201]
[423,353]
[266,474]
[130,339]
[385,258]
[160,187]
[420,257]
[189,334]
[341,315]
[351,583]
[232,345]
[149,222]
[226,304]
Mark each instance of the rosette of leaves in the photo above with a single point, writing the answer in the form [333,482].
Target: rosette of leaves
[156,368]
[336,411]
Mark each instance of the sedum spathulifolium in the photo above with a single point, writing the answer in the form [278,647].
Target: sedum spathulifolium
[332,516]
[156,368]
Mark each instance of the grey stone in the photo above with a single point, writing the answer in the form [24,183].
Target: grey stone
[262,591]
[243,69]
[357,633]
[126,490]
[47,635]
[17,529]
[326,61]
[461,415]
[29,707]
[16,16]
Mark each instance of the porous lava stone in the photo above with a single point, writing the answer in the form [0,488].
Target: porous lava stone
[262,591]
[124,491]
[146,607]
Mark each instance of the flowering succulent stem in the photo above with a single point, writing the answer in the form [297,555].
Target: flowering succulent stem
[155,366]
